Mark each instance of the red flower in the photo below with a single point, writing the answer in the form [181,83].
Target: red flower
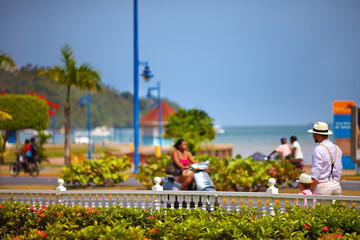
[15,238]
[155,230]
[152,218]
[326,229]
[307,226]
[3,92]
[39,219]
[42,215]
[43,207]
[253,216]
[31,93]
[41,233]
[78,215]
[1,207]
[32,208]
[59,214]
[87,212]
[56,106]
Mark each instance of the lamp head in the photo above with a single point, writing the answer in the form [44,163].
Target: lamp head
[147,73]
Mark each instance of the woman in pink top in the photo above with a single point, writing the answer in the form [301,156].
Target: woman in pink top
[182,158]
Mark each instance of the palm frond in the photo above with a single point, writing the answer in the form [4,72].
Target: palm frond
[6,62]
[4,116]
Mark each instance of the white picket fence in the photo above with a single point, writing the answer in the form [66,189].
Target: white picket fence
[157,198]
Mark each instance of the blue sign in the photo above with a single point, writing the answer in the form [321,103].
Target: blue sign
[342,126]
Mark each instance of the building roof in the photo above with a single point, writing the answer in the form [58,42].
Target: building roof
[152,117]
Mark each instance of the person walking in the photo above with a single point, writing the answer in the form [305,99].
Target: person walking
[326,162]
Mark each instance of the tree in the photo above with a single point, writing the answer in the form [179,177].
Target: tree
[194,126]
[27,112]
[6,62]
[83,77]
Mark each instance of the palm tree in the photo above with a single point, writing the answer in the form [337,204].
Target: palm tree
[6,62]
[83,77]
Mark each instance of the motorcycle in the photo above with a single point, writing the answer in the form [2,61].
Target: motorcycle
[202,182]
[202,179]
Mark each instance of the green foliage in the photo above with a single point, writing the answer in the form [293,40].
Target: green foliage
[247,174]
[227,174]
[117,114]
[154,167]
[26,111]
[74,222]
[106,170]
[194,126]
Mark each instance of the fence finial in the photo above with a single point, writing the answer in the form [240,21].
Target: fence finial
[272,189]
[157,186]
[61,187]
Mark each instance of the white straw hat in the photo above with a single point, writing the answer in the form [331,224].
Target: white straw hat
[304,178]
[320,128]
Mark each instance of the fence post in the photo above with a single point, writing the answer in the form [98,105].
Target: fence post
[155,189]
[60,189]
[269,193]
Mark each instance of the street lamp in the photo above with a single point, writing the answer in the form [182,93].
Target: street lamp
[157,88]
[82,103]
[147,75]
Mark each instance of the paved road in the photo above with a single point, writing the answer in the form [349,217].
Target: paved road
[6,180]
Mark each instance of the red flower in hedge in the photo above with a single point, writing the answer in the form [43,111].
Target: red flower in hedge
[3,92]
[155,230]
[15,238]
[39,219]
[41,233]
[59,214]
[42,215]
[87,212]
[1,207]
[307,226]
[152,218]
[326,229]
[32,208]
[78,215]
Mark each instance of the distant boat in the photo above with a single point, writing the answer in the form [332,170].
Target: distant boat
[218,129]
[102,131]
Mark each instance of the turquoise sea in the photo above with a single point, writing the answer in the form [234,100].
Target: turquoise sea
[246,140]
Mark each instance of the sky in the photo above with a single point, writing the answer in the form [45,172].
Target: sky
[246,63]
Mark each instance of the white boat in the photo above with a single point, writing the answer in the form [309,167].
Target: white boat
[102,131]
[218,129]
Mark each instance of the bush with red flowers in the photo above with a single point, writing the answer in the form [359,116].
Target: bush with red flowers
[22,221]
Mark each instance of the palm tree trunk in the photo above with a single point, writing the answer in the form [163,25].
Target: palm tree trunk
[67,127]
[3,146]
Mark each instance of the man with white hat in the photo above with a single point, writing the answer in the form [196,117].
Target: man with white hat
[326,163]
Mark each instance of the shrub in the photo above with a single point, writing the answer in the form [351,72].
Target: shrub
[154,167]
[74,222]
[229,173]
[106,170]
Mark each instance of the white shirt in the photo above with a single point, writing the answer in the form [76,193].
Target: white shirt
[321,162]
[298,153]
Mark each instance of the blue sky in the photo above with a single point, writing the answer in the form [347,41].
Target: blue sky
[244,62]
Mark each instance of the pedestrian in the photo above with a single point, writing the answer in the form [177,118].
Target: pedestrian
[326,162]
[304,186]
[34,150]
[283,148]
[297,155]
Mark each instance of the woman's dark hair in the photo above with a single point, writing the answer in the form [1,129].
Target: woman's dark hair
[178,143]
[293,138]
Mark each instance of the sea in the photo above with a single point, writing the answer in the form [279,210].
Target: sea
[246,140]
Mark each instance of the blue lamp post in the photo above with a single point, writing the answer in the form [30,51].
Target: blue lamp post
[82,103]
[53,129]
[157,88]
[147,75]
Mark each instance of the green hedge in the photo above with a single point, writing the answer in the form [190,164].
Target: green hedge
[24,221]
[27,112]
[229,173]
[106,170]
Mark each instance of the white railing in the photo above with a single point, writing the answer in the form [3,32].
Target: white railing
[157,198]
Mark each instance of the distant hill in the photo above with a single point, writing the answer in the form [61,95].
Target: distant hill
[108,108]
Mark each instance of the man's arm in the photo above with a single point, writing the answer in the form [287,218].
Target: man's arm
[271,154]
[314,182]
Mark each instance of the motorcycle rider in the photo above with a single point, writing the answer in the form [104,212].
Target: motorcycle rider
[182,159]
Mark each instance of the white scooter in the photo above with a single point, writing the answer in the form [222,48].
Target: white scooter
[202,179]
